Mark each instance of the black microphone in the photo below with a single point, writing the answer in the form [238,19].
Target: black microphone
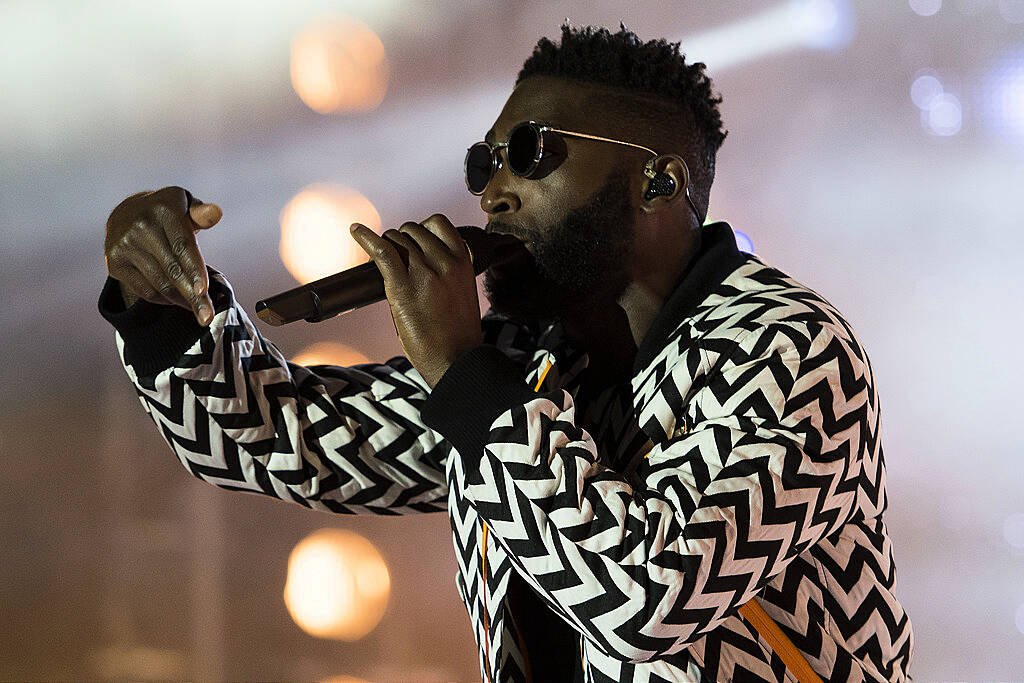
[363,285]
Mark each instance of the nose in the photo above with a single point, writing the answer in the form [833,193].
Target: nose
[498,196]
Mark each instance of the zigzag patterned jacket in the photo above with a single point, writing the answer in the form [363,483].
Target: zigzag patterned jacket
[742,459]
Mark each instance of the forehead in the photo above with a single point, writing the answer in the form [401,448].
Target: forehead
[545,99]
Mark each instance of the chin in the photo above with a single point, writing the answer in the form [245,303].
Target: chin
[514,296]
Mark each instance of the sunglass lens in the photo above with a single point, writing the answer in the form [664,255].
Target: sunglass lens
[522,149]
[478,167]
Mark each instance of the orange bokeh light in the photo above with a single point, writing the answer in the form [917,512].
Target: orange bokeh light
[338,585]
[315,240]
[339,65]
[329,353]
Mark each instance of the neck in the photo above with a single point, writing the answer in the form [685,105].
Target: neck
[612,332]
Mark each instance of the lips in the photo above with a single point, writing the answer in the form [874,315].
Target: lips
[513,257]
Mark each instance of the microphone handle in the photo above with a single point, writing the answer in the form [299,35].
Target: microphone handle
[363,285]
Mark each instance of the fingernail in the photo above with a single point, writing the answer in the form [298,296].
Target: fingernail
[204,315]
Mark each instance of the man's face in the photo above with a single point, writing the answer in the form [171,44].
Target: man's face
[577,220]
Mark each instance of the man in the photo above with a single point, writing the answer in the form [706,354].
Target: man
[647,430]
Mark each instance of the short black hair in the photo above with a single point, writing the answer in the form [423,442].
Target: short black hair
[655,70]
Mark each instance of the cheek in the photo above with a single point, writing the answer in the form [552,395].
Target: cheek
[553,197]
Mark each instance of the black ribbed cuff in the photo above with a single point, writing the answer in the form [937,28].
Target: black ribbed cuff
[155,335]
[479,386]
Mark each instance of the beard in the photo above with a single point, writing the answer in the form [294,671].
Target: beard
[577,264]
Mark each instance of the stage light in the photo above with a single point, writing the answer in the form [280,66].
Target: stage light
[926,8]
[944,116]
[337,586]
[339,65]
[1003,97]
[329,353]
[1012,10]
[822,24]
[315,239]
[925,88]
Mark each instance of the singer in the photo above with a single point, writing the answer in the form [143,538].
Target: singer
[661,456]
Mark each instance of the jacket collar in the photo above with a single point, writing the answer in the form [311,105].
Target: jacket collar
[716,258]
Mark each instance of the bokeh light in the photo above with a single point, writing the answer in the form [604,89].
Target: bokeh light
[329,353]
[926,8]
[315,238]
[944,116]
[339,65]
[825,24]
[925,88]
[1003,97]
[337,586]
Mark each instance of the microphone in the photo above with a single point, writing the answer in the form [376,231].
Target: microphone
[363,285]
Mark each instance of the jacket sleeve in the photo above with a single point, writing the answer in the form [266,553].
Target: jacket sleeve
[767,467]
[240,416]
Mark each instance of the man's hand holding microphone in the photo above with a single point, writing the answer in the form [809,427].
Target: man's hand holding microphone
[426,270]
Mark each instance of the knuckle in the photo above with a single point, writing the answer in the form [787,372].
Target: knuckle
[178,246]
[174,271]
[446,265]
[165,287]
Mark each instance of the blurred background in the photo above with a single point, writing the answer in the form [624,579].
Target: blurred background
[875,153]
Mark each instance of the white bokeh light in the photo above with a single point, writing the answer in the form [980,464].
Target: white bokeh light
[944,117]
[925,88]
[1003,97]
[926,8]
[825,24]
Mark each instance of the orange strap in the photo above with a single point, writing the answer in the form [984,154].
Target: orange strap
[780,644]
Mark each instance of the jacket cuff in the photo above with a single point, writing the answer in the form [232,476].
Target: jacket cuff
[479,386]
[155,335]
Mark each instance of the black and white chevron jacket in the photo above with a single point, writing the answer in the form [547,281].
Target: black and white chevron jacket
[743,459]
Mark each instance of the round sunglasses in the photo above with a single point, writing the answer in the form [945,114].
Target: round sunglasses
[524,150]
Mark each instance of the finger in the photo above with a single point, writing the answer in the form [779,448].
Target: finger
[156,278]
[413,251]
[437,254]
[439,225]
[184,250]
[203,215]
[137,283]
[167,275]
[384,254]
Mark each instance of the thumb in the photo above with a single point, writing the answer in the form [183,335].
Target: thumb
[204,215]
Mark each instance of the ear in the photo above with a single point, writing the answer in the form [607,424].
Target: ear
[673,166]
